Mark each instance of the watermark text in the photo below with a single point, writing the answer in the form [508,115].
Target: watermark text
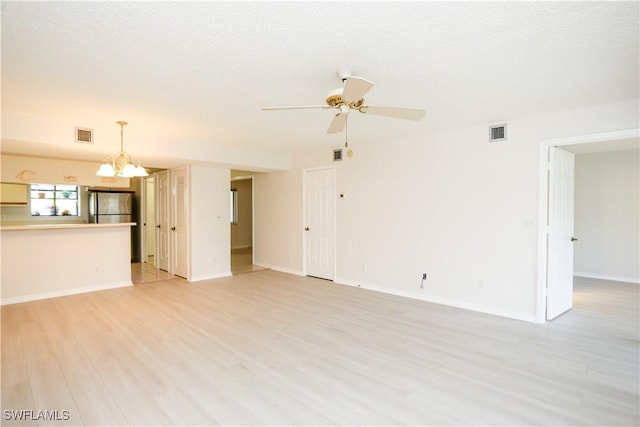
[36,415]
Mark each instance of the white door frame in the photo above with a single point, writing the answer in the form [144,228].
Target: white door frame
[543,201]
[304,217]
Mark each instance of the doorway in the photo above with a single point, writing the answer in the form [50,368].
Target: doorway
[148,269]
[149,221]
[241,222]
[546,263]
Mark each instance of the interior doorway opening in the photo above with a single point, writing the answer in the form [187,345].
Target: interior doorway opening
[602,142]
[241,222]
[149,268]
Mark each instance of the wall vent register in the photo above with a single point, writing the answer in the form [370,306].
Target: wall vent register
[497,133]
[84,135]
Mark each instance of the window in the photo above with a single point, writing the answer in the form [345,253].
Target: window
[53,200]
[233,214]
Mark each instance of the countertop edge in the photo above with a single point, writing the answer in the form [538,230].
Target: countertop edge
[63,226]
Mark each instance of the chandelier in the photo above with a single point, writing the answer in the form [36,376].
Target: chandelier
[121,165]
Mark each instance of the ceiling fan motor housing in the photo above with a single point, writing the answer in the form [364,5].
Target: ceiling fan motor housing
[335,100]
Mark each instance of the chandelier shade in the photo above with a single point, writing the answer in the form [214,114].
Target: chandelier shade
[121,165]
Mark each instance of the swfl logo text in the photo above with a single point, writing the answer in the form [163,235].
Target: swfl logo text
[33,415]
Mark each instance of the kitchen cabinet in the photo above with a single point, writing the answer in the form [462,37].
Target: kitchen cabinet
[13,194]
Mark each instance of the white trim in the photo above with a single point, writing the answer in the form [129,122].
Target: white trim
[443,301]
[543,184]
[304,218]
[210,276]
[627,279]
[281,269]
[63,293]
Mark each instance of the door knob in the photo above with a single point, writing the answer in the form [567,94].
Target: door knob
[157,226]
[173,229]
[573,239]
[306,229]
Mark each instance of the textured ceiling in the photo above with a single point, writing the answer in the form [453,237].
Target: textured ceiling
[200,71]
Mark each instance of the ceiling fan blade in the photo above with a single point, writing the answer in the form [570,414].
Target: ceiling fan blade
[338,123]
[395,112]
[294,107]
[355,88]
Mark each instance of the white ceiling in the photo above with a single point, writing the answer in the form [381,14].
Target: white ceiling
[200,71]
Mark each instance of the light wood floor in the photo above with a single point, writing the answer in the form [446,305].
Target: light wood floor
[145,272]
[267,348]
[242,261]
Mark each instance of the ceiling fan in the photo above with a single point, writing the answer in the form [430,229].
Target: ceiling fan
[350,98]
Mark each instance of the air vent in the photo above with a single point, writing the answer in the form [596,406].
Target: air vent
[497,133]
[337,154]
[84,135]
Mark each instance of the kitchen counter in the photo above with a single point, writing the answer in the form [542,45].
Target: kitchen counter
[50,260]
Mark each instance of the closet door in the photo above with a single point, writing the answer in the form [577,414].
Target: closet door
[162,220]
[180,222]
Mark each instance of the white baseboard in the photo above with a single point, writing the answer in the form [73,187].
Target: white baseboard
[63,293]
[281,269]
[628,279]
[210,276]
[440,300]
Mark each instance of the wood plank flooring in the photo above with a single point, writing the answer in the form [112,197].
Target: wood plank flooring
[242,261]
[268,348]
[145,272]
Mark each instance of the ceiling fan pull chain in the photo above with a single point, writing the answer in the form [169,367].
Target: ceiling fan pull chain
[346,131]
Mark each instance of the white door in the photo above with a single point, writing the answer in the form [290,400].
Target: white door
[320,223]
[179,223]
[161,258]
[560,232]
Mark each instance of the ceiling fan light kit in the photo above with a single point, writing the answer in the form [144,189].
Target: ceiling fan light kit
[351,97]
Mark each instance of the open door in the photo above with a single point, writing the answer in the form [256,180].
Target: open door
[560,232]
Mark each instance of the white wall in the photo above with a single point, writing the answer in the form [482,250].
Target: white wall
[449,204]
[607,216]
[242,231]
[278,220]
[20,169]
[209,226]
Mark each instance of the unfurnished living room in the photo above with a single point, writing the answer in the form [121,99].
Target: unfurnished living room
[320,213]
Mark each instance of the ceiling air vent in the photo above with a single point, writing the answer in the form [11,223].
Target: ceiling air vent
[497,133]
[84,135]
